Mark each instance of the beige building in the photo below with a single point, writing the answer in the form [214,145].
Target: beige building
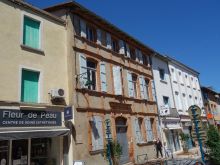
[33,78]
[111,78]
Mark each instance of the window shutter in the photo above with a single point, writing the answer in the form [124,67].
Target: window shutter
[97,133]
[121,47]
[128,54]
[158,129]
[31,34]
[99,37]
[142,86]
[103,77]
[83,70]
[130,85]
[138,131]
[117,80]
[82,28]
[148,129]
[108,41]
[153,90]
[145,89]
[137,55]
[140,57]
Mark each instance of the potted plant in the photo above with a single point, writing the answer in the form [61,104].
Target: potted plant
[115,151]
[185,138]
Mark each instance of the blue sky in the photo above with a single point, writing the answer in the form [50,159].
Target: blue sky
[187,30]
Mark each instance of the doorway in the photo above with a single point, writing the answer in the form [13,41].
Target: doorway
[121,132]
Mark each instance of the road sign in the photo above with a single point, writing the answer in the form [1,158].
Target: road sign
[197,110]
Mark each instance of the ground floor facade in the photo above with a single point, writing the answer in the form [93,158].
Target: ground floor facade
[32,134]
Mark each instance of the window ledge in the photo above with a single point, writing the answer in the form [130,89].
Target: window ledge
[175,81]
[163,81]
[34,50]
[96,152]
[145,143]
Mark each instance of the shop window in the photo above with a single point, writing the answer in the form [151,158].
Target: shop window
[31,32]
[91,33]
[29,86]
[4,152]
[40,152]
[132,53]
[115,46]
[20,152]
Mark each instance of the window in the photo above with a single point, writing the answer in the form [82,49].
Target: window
[117,80]
[87,73]
[104,38]
[178,101]
[149,129]
[186,106]
[145,60]
[166,100]
[162,74]
[153,91]
[173,74]
[97,133]
[187,80]
[77,25]
[115,46]
[138,129]
[190,99]
[132,53]
[132,84]
[91,33]
[29,86]
[180,77]
[144,87]
[31,33]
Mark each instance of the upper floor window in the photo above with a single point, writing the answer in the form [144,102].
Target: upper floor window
[29,86]
[187,80]
[180,77]
[115,46]
[104,38]
[173,73]
[145,60]
[87,73]
[31,32]
[90,33]
[162,74]
[166,100]
[132,84]
[132,53]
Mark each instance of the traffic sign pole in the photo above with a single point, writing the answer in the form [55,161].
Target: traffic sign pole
[197,132]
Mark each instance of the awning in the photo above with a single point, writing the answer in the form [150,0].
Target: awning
[25,133]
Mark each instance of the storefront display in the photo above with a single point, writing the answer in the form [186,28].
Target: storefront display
[31,137]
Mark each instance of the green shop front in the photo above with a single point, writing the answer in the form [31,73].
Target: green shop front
[31,137]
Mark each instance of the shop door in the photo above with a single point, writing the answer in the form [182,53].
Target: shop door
[121,131]
[4,152]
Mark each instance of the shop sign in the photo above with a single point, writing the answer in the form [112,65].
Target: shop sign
[27,118]
[68,113]
[164,110]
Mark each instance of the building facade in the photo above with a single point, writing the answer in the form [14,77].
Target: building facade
[186,91]
[212,105]
[169,117]
[33,66]
[111,79]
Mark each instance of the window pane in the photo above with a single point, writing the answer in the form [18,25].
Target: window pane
[4,152]
[20,152]
[31,33]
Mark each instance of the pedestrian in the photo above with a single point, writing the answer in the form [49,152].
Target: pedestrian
[159,146]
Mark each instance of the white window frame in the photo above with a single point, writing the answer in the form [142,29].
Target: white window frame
[35,18]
